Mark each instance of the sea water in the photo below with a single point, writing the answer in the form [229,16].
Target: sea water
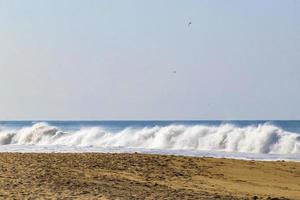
[260,140]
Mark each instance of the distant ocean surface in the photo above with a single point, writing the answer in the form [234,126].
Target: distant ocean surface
[259,140]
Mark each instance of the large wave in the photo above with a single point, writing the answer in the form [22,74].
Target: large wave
[264,138]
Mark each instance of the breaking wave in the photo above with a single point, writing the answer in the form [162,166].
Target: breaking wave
[264,138]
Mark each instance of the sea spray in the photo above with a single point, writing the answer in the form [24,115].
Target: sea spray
[263,138]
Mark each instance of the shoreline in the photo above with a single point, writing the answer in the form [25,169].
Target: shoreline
[144,176]
[280,159]
[268,157]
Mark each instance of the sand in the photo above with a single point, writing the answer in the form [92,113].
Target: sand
[140,176]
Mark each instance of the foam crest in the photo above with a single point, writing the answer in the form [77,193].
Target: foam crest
[264,138]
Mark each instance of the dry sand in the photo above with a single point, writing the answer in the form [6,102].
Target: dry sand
[140,176]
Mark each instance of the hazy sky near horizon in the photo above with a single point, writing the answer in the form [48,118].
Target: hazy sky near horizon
[114,59]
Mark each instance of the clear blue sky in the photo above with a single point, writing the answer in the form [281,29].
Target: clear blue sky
[71,59]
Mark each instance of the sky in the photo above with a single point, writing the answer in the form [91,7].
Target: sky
[140,60]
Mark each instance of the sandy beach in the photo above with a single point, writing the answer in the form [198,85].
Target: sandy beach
[140,176]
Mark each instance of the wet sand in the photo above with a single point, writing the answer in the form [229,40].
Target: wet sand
[140,176]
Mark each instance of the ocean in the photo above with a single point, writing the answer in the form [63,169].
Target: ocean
[257,140]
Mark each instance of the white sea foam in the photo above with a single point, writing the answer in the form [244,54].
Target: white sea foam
[260,139]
